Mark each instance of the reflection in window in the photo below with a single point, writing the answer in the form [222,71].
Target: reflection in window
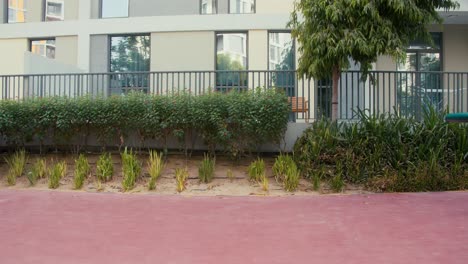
[45,48]
[241,6]
[208,6]
[231,55]
[17,11]
[130,54]
[419,90]
[54,10]
[114,8]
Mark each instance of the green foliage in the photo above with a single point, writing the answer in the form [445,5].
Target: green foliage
[291,179]
[105,168]
[38,171]
[181,179]
[257,170]
[280,168]
[57,173]
[337,183]
[317,176]
[131,169]
[16,164]
[82,169]
[155,168]
[388,153]
[235,121]
[206,169]
[330,32]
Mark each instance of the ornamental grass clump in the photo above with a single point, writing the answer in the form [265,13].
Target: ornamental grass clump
[57,173]
[131,169]
[206,169]
[291,178]
[38,171]
[181,176]
[16,164]
[282,163]
[256,170]
[104,168]
[82,169]
[155,168]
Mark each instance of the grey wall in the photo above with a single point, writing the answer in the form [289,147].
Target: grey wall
[164,7]
[3,11]
[99,60]
[223,6]
[95,9]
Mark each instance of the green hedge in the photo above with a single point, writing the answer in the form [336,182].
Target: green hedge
[235,121]
[388,153]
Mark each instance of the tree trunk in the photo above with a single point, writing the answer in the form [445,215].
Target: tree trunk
[336,78]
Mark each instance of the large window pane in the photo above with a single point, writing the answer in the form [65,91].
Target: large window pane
[231,55]
[130,54]
[114,8]
[282,59]
[54,10]
[208,6]
[17,11]
[241,6]
[45,48]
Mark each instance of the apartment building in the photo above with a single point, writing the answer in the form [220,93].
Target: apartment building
[114,36]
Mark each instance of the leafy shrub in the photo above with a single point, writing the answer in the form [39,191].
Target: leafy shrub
[257,170]
[82,170]
[181,176]
[155,168]
[57,173]
[131,168]
[206,169]
[235,121]
[16,164]
[388,152]
[104,168]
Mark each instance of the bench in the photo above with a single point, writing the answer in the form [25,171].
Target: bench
[300,105]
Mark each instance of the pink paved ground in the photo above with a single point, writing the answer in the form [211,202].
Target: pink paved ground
[53,227]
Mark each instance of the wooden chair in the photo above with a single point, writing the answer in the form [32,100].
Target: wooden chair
[300,105]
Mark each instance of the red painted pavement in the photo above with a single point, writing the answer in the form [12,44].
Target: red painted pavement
[54,227]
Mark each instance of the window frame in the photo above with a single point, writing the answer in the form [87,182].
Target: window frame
[440,51]
[7,14]
[44,10]
[30,41]
[101,5]
[216,33]
[293,46]
[253,12]
[214,13]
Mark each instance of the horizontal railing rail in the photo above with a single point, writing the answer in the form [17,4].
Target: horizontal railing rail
[406,93]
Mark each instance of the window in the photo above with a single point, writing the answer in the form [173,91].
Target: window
[114,8]
[17,11]
[231,55]
[208,7]
[241,6]
[130,54]
[54,10]
[43,47]
[417,90]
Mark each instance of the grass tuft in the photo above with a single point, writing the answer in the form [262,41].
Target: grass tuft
[82,170]
[16,165]
[105,168]
[57,173]
[181,179]
[256,170]
[155,168]
[206,169]
[131,169]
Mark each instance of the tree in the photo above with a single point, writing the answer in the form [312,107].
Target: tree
[330,32]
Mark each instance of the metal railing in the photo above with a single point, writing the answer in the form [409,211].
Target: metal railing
[407,93]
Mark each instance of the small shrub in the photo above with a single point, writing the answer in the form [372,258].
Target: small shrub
[265,183]
[131,169]
[206,169]
[181,179]
[105,168]
[16,166]
[256,170]
[317,176]
[57,173]
[155,168]
[230,175]
[291,180]
[282,163]
[82,170]
[38,171]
